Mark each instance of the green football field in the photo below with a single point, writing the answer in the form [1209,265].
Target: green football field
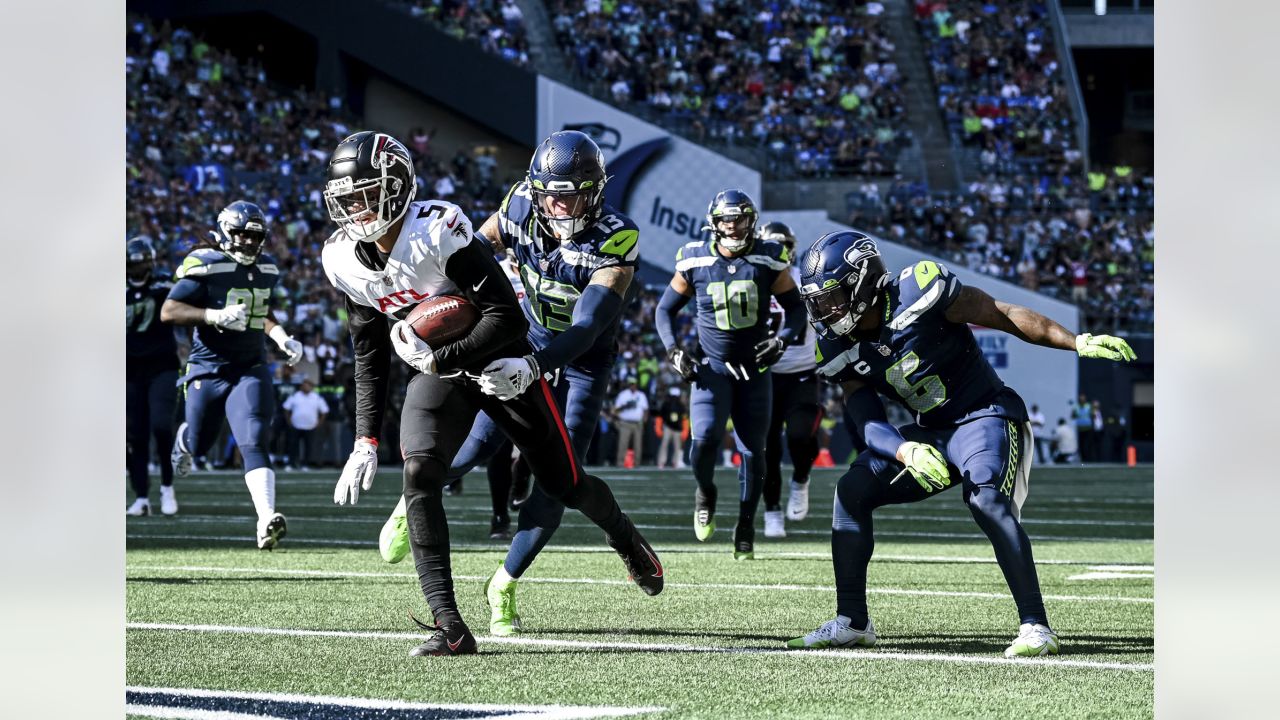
[319,628]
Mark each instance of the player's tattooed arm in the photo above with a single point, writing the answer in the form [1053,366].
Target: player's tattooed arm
[617,279]
[975,306]
[492,232]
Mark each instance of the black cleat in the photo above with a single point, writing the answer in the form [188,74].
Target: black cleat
[744,539]
[500,528]
[454,639]
[643,566]
[453,488]
[520,484]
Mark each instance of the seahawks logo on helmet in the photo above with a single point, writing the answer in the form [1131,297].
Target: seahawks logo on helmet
[860,250]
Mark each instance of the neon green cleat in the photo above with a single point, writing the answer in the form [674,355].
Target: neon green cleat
[704,515]
[1033,640]
[393,541]
[836,634]
[503,619]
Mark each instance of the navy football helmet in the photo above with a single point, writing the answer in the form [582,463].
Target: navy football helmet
[371,183]
[242,231]
[840,277]
[567,177]
[731,218]
[780,232]
[140,260]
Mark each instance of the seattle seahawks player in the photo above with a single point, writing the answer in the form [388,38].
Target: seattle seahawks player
[906,336]
[388,254]
[730,275]
[223,290]
[795,404]
[576,257]
[151,374]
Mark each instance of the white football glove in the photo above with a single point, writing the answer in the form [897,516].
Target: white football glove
[234,317]
[412,349]
[358,473]
[508,378]
[290,347]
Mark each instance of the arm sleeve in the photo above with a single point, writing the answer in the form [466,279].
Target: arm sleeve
[864,413]
[792,332]
[373,351]
[479,277]
[665,317]
[596,309]
[188,291]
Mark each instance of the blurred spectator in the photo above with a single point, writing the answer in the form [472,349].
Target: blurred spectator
[1037,421]
[1064,438]
[631,408]
[305,411]
[673,414]
[499,28]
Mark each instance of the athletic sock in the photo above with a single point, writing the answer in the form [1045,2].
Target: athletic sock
[502,579]
[262,488]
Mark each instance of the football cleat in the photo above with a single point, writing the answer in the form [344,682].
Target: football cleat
[503,618]
[455,639]
[704,516]
[774,526]
[500,528]
[393,541]
[270,530]
[798,503]
[744,540]
[643,567]
[181,456]
[140,507]
[835,634]
[168,500]
[1033,640]
[453,488]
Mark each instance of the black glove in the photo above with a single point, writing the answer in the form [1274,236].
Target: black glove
[769,350]
[683,364]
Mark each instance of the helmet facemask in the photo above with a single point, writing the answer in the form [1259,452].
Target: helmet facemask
[733,228]
[837,306]
[567,210]
[241,235]
[140,262]
[362,208]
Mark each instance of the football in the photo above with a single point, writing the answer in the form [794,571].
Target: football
[441,319]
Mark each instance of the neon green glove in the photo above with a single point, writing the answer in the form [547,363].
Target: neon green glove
[1103,347]
[926,465]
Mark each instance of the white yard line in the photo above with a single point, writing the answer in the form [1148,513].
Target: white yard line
[592,581]
[338,704]
[659,647]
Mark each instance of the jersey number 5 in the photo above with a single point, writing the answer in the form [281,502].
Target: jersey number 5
[922,395]
[735,303]
[255,299]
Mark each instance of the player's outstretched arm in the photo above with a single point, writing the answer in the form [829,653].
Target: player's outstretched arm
[290,347]
[976,306]
[864,413]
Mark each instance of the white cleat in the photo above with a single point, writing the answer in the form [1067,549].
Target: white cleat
[168,501]
[1033,640]
[836,634]
[181,456]
[774,525]
[798,503]
[139,508]
[270,530]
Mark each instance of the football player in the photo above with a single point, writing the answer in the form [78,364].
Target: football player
[576,257]
[906,336]
[151,375]
[223,290]
[795,404]
[388,254]
[732,276]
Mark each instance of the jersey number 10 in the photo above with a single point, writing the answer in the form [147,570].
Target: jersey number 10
[735,303]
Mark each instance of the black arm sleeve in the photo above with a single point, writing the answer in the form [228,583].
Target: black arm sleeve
[372,341]
[481,280]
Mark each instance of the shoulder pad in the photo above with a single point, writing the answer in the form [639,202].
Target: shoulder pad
[769,254]
[923,288]
[620,241]
[438,227]
[204,261]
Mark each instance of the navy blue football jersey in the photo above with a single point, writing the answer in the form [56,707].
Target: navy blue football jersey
[148,341]
[731,296]
[931,366]
[553,281]
[210,279]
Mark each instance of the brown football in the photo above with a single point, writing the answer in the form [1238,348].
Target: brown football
[441,319]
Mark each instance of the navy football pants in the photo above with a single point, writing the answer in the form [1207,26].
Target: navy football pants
[148,408]
[248,400]
[796,405]
[714,399]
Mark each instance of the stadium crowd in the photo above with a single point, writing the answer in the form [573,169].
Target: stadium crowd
[497,26]
[244,137]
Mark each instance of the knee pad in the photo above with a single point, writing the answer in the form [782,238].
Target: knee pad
[424,474]
[987,501]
